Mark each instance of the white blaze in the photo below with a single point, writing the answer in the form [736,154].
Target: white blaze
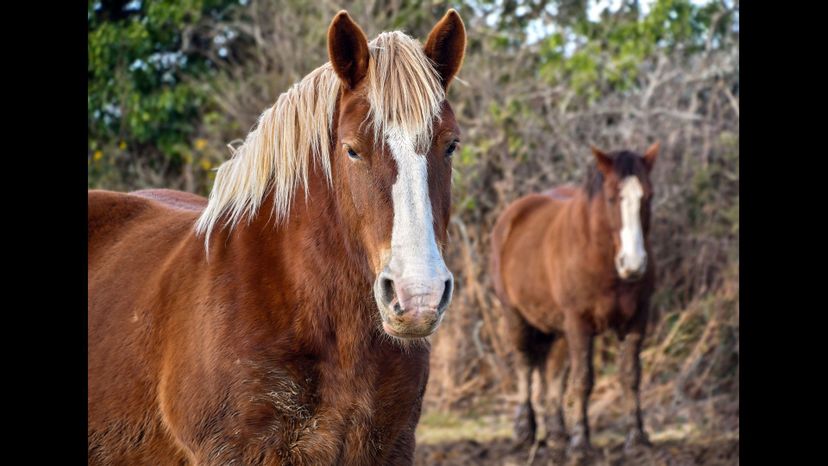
[632,257]
[414,252]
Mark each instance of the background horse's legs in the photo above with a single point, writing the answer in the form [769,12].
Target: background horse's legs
[555,377]
[580,341]
[630,375]
[525,424]
[532,348]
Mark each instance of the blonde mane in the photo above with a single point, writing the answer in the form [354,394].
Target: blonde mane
[403,90]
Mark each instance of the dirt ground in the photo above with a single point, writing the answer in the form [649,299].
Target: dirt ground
[716,451]
[701,433]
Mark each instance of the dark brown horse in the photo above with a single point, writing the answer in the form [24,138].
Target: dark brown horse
[574,262]
[284,320]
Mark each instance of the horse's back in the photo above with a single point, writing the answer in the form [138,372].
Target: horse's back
[123,226]
[108,210]
[174,199]
[562,193]
[110,213]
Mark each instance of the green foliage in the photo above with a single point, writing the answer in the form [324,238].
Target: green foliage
[597,58]
[145,61]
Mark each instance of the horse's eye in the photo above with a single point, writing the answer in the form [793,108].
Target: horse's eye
[451,149]
[352,153]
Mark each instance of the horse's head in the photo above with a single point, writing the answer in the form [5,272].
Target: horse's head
[394,137]
[627,193]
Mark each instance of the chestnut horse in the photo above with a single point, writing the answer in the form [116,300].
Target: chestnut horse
[573,262]
[284,321]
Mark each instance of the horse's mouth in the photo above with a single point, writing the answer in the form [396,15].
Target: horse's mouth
[632,277]
[406,335]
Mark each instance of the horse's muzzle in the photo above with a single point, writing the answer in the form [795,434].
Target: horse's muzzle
[413,307]
[631,268]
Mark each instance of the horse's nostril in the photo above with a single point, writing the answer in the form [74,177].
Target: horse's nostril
[388,294]
[444,300]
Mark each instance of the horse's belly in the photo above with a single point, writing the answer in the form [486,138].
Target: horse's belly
[543,317]
[526,281]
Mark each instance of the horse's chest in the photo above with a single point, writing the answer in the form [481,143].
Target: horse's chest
[614,308]
[348,417]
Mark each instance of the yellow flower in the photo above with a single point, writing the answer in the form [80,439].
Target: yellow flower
[205,164]
[97,156]
[122,145]
[200,144]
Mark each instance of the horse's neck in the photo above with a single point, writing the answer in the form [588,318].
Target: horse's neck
[587,222]
[306,266]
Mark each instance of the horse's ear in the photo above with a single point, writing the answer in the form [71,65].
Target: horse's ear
[603,160]
[650,156]
[348,49]
[446,46]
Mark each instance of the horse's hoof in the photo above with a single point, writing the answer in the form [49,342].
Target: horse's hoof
[525,426]
[579,445]
[579,453]
[636,440]
[557,438]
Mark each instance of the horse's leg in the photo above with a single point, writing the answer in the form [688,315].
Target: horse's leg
[579,338]
[530,350]
[630,375]
[557,372]
[525,424]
